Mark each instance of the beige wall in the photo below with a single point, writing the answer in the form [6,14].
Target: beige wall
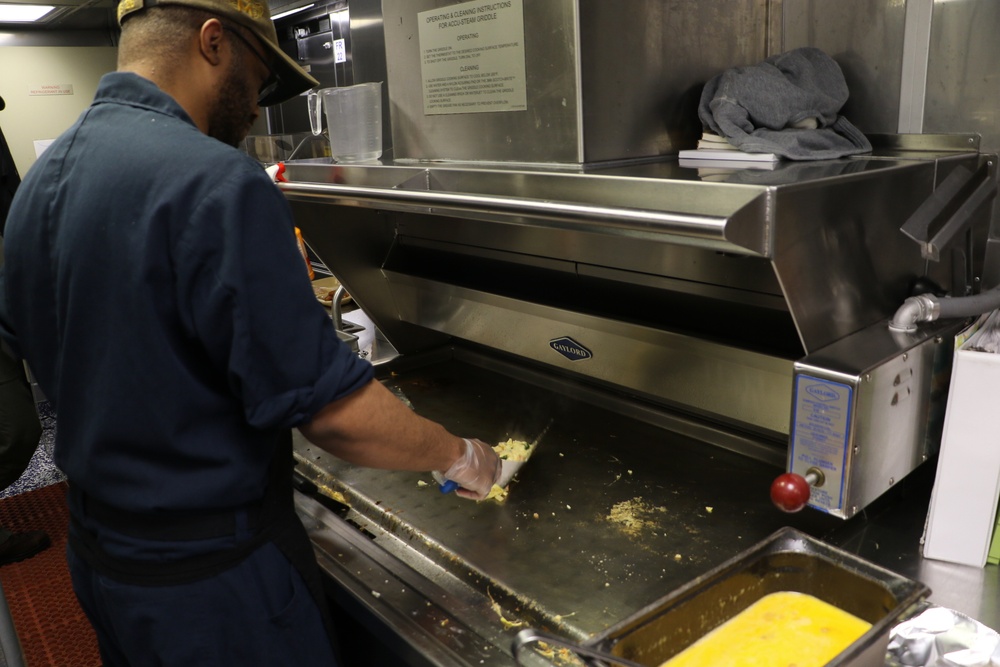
[30,117]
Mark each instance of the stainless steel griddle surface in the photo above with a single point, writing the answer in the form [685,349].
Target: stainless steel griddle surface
[557,548]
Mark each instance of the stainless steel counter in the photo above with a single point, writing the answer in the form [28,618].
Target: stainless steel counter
[449,581]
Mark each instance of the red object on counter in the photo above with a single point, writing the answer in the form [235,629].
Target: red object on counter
[305,253]
[790,492]
[279,177]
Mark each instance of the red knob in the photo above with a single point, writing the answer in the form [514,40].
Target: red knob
[790,492]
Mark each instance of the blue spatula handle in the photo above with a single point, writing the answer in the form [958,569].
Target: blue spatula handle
[449,486]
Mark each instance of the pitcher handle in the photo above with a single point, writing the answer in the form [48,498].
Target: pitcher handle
[315,112]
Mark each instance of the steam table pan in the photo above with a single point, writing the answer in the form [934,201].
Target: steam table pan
[788,560]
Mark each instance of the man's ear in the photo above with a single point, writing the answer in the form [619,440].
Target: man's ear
[210,40]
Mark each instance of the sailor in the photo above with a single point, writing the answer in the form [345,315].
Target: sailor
[153,282]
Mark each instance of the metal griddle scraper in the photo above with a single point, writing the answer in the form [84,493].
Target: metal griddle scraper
[509,467]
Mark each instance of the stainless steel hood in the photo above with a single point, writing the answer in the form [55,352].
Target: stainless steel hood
[697,293]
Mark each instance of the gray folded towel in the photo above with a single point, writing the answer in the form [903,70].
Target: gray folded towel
[787,105]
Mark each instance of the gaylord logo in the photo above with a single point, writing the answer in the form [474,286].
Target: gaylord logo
[822,392]
[570,349]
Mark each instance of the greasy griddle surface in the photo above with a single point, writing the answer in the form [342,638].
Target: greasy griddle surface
[553,544]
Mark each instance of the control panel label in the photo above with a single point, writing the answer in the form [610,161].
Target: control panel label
[821,429]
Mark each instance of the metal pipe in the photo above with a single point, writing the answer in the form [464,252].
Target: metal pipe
[928,308]
[338,312]
[922,308]
[636,222]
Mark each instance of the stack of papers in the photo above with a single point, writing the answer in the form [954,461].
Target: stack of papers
[711,141]
[713,149]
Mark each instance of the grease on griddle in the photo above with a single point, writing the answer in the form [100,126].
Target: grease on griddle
[635,516]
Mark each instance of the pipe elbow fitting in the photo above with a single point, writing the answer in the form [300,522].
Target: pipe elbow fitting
[921,308]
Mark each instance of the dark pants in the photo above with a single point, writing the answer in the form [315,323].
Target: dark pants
[19,425]
[257,613]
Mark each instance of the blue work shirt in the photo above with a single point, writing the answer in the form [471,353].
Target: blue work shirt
[154,285]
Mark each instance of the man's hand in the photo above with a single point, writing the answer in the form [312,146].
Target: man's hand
[475,471]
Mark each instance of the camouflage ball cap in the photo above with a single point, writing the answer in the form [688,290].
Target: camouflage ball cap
[255,16]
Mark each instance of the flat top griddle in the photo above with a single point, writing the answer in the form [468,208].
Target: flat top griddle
[552,555]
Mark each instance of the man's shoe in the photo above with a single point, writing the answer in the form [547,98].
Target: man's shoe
[19,546]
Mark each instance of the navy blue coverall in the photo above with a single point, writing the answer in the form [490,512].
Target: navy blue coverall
[153,282]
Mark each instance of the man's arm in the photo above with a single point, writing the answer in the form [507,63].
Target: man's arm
[371,427]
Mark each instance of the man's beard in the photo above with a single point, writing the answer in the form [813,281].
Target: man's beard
[230,118]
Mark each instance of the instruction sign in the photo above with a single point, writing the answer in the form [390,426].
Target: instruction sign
[472,57]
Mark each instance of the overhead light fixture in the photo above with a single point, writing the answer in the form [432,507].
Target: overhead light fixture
[23,13]
[292,11]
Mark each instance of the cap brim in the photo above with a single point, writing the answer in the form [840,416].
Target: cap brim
[292,79]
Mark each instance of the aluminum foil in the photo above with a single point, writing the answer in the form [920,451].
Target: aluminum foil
[941,637]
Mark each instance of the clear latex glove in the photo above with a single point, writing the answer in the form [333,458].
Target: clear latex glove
[475,471]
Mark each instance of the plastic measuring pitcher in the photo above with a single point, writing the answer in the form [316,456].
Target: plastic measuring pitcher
[353,118]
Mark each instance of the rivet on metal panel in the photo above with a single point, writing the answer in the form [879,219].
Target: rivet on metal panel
[854,510]
[892,481]
[905,356]
[856,450]
[868,378]
[938,340]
